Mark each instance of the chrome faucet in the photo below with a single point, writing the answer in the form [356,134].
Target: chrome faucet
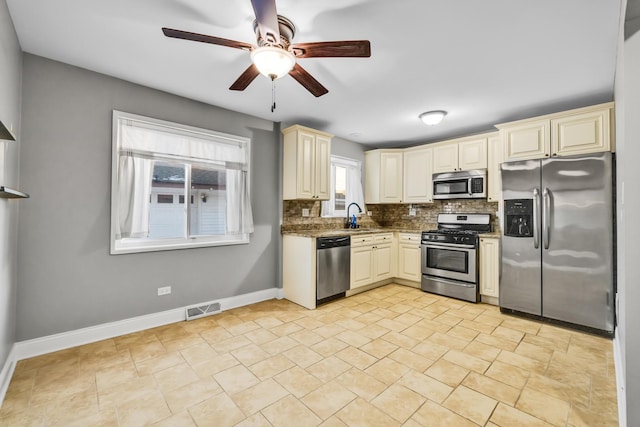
[349,223]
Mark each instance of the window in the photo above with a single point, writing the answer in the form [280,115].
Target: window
[157,165]
[346,187]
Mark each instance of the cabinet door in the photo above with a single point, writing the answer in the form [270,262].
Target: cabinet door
[361,266]
[306,170]
[417,181]
[472,154]
[445,158]
[581,133]
[382,262]
[322,167]
[526,141]
[489,267]
[391,177]
[494,160]
[409,262]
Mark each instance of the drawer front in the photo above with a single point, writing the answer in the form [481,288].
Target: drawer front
[361,240]
[409,238]
[383,238]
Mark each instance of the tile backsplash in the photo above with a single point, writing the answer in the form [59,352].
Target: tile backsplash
[385,215]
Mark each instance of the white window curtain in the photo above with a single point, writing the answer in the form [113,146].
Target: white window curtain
[134,192]
[354,192]
[239,213]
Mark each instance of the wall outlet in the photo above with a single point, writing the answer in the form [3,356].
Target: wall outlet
[164,291]
[369,213]
[305,212]
[412,211]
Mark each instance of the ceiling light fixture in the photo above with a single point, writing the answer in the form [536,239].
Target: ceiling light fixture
[431,118]
[273,62]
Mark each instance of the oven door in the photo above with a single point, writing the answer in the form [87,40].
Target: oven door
[449,261]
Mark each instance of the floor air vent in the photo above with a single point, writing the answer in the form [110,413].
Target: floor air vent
[202,310]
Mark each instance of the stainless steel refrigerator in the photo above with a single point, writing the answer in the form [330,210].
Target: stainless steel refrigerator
[557,246]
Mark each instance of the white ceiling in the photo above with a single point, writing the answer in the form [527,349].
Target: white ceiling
[484,61]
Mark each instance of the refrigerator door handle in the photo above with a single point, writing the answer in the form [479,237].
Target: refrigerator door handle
[536,208]
[546,217]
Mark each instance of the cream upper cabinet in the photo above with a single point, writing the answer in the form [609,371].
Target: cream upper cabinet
[383,176]
[463,155]
[417,184]
[580,131]
[490,267]
[494,160]
[409,257]
[306,164]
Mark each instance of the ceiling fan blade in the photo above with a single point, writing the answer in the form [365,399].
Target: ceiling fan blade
[305,79]
[267,18]
[186,35]
[344,48]
[245,78]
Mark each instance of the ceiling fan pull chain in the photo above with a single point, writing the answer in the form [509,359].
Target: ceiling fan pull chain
[273,95]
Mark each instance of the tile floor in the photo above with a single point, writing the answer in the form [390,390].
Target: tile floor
[388,357]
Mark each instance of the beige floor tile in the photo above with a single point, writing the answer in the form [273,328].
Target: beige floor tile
[256,420]
[524,362]
[448,341]
[482,351]
[524,325]
[160,363]
[467,361]
[271,366]
[356,357]
[508,374]
[217,364]
[388,371]
[546,342]
[379,348]
[534,352]
[250,354]
[217,411]
[260,336]
[298,382]
[498,342]
[329,330]
[391,324]
[286,410]
[286,329]
[360,413]
[492,388]
[433,415]
[362,384]
[75,407]
[329,368]
[430,350]
[426,386]
[506,416]
[198,353]
[374,331]
[15,402]
[191,394]
[462,333]
[561,389]
[309,323]
[130,390]
[230,344]
[215,334]
[107,418]
[448,319]
[418,332]
[183,342]
[400,340]
[306,337]
[333,421]
[182,419]
[146,410]
[447,372]
[302,356]
[582,417]
[269,322]
[258,397]
[399,402]
[175,377]
[351,324]
[545,407]
[352,338]
[242,328]
[279,345]
[140,352]
[508,333]
[410,359]
[323,406]
[470,404]
[236,379]
[477,325]
[329,346]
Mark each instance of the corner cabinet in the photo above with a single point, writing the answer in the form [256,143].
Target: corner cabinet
[580,131]
[490,269]
[383,176]
[417,175]
[306,164]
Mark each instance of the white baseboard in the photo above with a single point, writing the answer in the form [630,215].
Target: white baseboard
[51,343]
[7,372]
[620,382]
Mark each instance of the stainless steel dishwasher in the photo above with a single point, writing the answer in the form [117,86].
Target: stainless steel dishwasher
[333,264]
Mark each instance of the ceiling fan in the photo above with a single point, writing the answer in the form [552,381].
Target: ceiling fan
[274,56]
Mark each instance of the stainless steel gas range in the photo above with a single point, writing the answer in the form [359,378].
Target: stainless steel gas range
[450,255]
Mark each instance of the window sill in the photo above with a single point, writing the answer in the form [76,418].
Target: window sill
[120,248]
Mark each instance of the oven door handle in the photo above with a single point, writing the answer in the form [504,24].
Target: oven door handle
[453,246]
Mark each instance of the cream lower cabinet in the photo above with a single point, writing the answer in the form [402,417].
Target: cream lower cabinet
[490,268]
[409,267]
[372,259]
[299,270]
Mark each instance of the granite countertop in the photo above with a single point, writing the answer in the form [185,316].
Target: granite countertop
[346,231]
[492,235]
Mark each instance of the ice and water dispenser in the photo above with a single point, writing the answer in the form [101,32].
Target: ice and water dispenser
[518,215]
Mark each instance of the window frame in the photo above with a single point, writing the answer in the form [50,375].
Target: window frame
[131,245]
[348,163]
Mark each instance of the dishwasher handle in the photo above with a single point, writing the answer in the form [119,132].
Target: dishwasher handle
[332,242]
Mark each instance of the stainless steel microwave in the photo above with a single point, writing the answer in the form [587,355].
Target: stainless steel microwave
[470,184]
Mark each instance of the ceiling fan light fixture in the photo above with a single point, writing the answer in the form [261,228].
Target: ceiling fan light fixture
[431,118]
[273,62]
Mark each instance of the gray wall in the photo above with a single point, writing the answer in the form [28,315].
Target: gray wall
[67,279]
[628,152]
[10,85]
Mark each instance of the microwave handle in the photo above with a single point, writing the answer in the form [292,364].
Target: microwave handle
[469,181]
